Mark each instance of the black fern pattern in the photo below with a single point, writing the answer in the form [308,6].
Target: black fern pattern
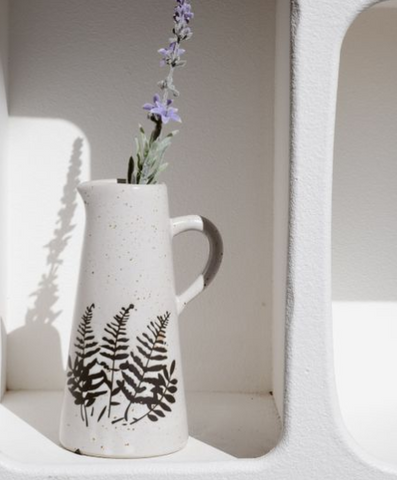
[162,396]
[141,376]
[82,382]
[114,350]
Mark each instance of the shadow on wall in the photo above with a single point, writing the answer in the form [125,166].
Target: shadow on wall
[38,337]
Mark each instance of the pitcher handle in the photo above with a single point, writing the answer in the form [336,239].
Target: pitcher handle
[200,224]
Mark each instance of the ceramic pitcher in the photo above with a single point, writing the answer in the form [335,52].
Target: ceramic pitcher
[124,394]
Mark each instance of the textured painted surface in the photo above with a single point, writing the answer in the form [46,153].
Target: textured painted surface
[94,63]
[314,434]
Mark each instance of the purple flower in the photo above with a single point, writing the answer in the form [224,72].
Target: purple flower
[182,31]
[171,53]
[149,106]
[163,111]
[183,12]
[182,16]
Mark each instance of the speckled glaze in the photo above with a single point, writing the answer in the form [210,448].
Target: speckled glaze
[124,396]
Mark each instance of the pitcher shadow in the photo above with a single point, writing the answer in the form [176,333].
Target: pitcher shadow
[34,350]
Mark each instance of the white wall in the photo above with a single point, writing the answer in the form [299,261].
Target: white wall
[365,169]
[93,64]
[3,135]
[365,232]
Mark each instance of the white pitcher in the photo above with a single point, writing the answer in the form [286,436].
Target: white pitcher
[124,395]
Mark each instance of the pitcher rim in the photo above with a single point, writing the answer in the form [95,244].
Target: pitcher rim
[116,182]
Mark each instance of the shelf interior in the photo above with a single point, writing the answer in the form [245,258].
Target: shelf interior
[63,120]
[223,427]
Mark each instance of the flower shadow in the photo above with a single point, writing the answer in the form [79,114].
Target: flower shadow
[34,350]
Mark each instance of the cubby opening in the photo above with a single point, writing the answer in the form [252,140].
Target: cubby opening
[74,77]
[364,232]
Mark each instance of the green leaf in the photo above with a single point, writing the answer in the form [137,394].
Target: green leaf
[173,133]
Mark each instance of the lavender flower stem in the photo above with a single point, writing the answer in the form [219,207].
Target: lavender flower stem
[150,151]
[157,130]
[169,81]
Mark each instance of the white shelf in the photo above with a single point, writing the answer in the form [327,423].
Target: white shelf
[238,424]
[241,424]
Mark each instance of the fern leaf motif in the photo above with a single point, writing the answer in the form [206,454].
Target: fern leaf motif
[142,374]
[83,383]
[114,350]
[163,396]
